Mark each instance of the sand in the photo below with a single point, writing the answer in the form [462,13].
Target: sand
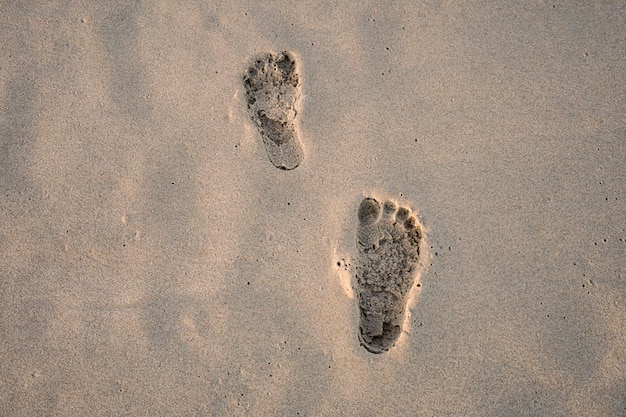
[155,263]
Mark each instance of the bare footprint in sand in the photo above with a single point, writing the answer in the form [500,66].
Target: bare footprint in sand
[272,93]
[388,261]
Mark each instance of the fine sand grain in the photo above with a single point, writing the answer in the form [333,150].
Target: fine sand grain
[155,262]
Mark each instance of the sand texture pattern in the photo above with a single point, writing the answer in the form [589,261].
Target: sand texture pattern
[181,220]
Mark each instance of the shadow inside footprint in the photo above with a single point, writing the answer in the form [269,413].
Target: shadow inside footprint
[388,241]
[272,93]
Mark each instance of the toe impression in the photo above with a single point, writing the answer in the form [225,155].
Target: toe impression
[369,211]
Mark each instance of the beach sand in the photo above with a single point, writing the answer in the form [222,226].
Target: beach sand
[154,262]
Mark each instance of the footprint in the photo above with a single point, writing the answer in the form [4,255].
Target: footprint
[388,240]
[272,92]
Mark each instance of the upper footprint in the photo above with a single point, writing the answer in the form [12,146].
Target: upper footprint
[272,88]
[388,240]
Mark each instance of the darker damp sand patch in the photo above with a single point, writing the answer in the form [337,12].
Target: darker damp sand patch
[272,86]
[388,243]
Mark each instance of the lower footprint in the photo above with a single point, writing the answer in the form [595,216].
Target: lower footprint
[272,93]
[388,241]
